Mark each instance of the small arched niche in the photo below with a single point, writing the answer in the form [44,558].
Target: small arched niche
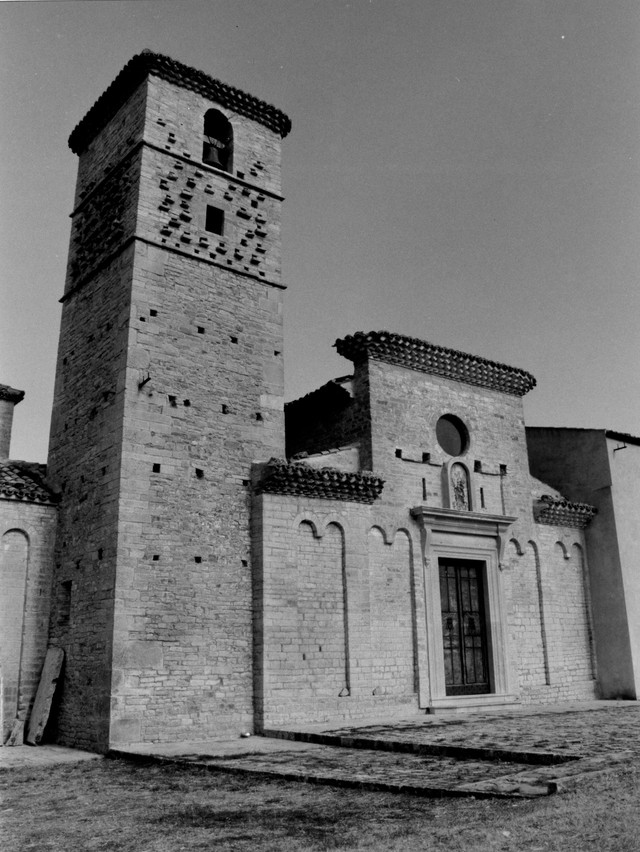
[217,143]
[458,492]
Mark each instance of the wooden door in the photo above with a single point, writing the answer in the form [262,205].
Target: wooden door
[464,634]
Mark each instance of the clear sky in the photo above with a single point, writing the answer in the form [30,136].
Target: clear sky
[463,171]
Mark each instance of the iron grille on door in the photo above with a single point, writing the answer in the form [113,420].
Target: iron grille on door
[463,627]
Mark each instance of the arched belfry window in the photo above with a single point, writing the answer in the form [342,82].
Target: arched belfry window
[217,144]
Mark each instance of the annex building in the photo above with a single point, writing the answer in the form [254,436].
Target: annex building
[211,560]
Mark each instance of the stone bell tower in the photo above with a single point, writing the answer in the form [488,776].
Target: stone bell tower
[169,383]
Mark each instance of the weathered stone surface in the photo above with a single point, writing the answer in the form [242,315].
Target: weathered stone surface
[176,73]
[193,597]
[27,533]
[44,696]
[169,385]
[16,736]
[438,360]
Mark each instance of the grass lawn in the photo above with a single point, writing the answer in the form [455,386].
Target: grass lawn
[113,806]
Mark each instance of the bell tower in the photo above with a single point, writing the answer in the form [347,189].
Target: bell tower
[169,384]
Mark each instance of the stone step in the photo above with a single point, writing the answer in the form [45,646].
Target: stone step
[528,756]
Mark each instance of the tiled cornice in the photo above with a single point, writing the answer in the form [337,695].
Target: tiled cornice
[427,358]
[11,394]
[282,477]
[24,481]
[147,62]
[562,513]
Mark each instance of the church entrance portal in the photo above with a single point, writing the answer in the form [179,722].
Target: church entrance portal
[464,635]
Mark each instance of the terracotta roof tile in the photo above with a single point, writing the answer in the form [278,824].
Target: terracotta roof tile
[11,394]
[426,357]
[281,477]
[562,513]
[147,62]
[20,480]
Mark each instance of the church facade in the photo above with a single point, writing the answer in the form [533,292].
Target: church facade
[212,561]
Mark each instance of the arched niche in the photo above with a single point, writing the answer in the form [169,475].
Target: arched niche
[458,486]
[14,557]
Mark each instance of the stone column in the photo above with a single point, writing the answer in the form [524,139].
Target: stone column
[9,398]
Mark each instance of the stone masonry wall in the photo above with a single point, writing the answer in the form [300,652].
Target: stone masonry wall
[550,617]
[110,148]
[177,187]
[170,382]
[174,123]
[86,426]
[527,626]
[397,408]
[335,638]
[567,606]
[405,407]
[26,551]
[392,614]
[610,483]
[84,463]
[206,344]
[207,340]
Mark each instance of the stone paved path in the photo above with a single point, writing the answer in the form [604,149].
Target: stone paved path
[604,727]
[361,768]
[531,751]
[419,775]
[521,752]
[17,757]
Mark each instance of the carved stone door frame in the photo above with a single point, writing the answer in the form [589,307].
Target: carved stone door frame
[477,537]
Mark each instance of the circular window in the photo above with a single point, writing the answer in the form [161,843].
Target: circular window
[452,435]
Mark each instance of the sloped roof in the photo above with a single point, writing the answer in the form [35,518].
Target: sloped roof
[26,481]
[427,358]
[321,404]
[147,62]
[622,436]
[625,437]
[282,477]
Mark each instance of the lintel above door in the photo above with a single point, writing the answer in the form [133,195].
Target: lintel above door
[434,519]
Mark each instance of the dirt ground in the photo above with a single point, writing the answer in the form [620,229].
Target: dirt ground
[123,807]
